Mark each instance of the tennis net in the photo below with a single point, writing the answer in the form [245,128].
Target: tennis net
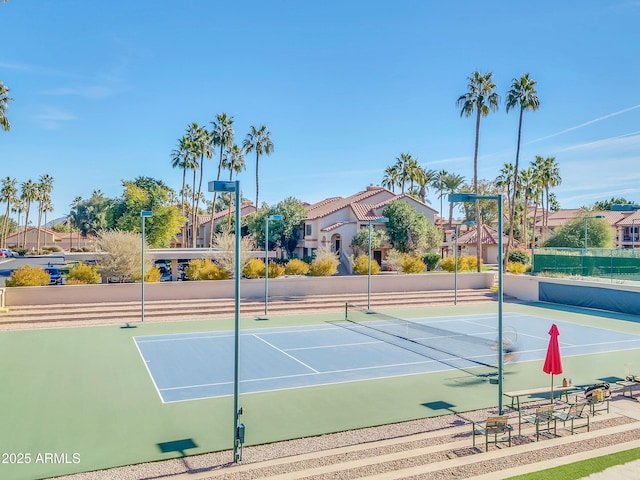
[459,350]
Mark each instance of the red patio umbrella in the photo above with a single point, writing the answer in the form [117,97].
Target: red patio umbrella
[553,362]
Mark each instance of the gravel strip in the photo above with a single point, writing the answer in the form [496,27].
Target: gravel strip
[215,462]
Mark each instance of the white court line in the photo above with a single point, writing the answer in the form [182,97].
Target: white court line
[146,365]
[200,337]
[298,375]
[332,346]
[285,353]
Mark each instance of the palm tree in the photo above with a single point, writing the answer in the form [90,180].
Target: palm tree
[452,184]
[223,136]
[18,207]
[424,179]
[391,177]
[181,158]
[201,147]
[504,181]
[405,165]
[480,98]
[4,103]
[29,194]
[233,161]
[8,194]
[258,140]
[522,94]
[438,184]
[43,191]
[550,178]
[526,185]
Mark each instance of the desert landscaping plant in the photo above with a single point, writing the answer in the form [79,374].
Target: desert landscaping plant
[205,269]
[295,266]
[225,244]
[125,254]
[361,266]
[412,264]
[27,276]
[83,274]
[325,263]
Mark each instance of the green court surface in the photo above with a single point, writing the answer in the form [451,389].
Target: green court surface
[79,399]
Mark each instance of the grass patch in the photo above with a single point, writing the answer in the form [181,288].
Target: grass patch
[583,468]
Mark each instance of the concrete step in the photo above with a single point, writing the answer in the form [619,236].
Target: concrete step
[221,308]
[412,456]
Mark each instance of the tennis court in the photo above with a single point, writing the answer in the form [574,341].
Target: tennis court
[200,364]
[88,390]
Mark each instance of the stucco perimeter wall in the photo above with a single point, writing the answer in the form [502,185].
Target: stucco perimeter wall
[249,288]
[525,287]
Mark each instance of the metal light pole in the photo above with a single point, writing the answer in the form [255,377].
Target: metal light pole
[455,270]
[370,222]
[266,260]
[238,430]
[144,214]
[470,198]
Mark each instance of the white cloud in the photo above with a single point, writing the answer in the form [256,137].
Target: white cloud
[53,118]
[94,91]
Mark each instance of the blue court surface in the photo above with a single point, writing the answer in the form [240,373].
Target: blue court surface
[201,365]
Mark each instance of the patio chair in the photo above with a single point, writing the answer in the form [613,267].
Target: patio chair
[493,427]
[543,419]
[576,414]
[599,400]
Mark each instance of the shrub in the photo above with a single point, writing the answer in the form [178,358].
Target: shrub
[413,265]
[325,263]
[205,269]
[361,266]
[275,270]
[254,268]
[393,260]
[153,275]
[517,267]
[225,243]
[322,268]
[448,264]
[519,256]
[27,276]
[466,263]
[52,248]
[431,259]
[83,274]
[296,267]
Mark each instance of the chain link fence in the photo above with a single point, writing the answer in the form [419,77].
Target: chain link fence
[609,263]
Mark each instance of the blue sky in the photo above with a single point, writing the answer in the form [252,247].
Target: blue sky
[103,90]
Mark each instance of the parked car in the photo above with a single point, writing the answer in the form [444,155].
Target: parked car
[55,276]
[5,252]
[165,273]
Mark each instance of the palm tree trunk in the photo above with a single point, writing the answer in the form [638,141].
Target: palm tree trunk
[182,205]
[39,225]
[195,233]
[215,197]
[257,185]
[26,225]
[512,202]
[193,211]
[475,191]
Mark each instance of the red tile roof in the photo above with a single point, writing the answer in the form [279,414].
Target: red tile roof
[489,236]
